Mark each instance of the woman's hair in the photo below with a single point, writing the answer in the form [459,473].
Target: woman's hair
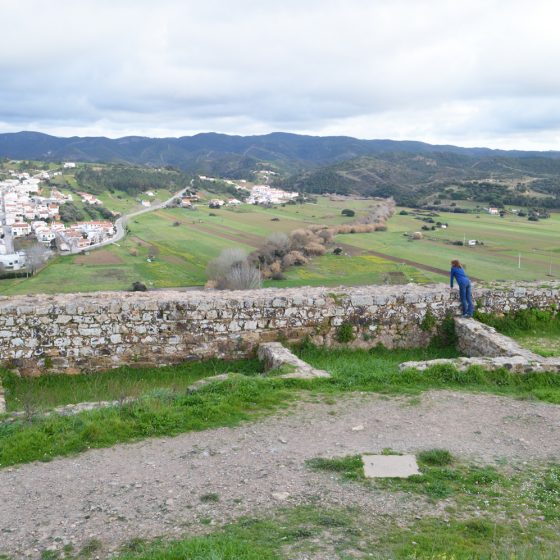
[456,264]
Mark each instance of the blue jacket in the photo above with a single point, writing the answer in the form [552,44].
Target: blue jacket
[460,275]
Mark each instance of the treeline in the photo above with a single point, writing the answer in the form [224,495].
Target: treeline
[499,195]
[70,213]
[132,180]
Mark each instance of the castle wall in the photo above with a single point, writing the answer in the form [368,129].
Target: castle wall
[77,332]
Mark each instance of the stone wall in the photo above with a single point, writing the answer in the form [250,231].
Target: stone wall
[107,329]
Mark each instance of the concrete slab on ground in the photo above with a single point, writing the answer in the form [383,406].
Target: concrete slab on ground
[390,466]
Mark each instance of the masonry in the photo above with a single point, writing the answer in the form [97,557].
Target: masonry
[71,333]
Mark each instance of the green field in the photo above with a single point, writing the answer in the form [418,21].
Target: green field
[184,241]
[181,242]
[506,242]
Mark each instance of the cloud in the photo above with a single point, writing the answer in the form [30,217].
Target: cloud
[429,70]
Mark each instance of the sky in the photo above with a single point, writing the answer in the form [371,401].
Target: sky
[469,73]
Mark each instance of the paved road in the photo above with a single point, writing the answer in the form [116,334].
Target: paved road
[120,224]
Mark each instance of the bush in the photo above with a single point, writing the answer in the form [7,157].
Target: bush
[138,287]
[294,258]
[337,251]
[348,212]
[314,249]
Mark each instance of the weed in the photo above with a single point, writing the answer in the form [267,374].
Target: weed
[546,493]
[211,497]
[350,468]
[435,457]
[91,547]
[428,322]
[345,333]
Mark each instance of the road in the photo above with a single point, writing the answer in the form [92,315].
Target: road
[120,224]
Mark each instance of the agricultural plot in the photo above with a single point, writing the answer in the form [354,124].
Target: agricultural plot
[172,247]
[513,248]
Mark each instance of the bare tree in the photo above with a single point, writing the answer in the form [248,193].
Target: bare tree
[35,256]
[232,271]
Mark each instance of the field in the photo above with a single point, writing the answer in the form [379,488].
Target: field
[172,247]
[508,243]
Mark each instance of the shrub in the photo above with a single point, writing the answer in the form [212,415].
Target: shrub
[348,212]
[296,258]
[314,249]
[138,287]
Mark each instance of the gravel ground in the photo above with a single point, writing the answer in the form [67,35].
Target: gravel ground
[154,487]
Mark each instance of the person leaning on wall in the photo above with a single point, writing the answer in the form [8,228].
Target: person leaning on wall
[465,289]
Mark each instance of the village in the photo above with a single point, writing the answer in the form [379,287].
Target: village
[260,194]
[30,209]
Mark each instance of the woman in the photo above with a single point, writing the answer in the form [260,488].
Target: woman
[465,292]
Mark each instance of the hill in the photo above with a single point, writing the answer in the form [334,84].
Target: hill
[431,178]
[212,149]
[413,172]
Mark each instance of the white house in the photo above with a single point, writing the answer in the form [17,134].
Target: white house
[45,235]
[13,261]
[69,165]
[493,211]
[20,229]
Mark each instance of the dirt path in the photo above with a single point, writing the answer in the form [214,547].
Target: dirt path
[154,487]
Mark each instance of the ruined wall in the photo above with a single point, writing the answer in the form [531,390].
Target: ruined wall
[107,329]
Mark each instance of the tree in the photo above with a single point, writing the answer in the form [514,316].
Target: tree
[35,256]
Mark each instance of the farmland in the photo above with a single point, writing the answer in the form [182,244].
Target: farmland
[513,248]
[172,247]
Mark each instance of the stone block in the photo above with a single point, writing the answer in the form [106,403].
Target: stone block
[390,466]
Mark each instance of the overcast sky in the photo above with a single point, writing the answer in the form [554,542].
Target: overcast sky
[468,72]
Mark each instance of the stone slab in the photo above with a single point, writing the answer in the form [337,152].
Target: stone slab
[390,466]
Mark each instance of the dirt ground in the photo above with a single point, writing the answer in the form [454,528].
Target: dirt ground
[154,487]
[101,256]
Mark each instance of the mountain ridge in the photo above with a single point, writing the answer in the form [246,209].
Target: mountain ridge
[294,150]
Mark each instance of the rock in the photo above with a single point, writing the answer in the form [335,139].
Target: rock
[358,428]
[281,496]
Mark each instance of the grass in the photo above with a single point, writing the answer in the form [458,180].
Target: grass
[505,530]
[377,370]
[167,410]
[534,329]
[161,413]
[504,240]
[441,475]
[49,391]
[184,251]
